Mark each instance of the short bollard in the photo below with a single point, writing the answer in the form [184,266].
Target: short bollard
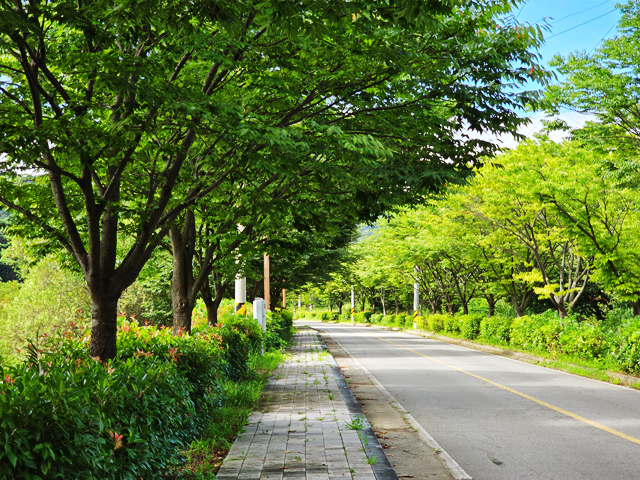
[260,314]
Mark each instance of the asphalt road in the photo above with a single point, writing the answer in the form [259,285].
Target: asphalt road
[500,418]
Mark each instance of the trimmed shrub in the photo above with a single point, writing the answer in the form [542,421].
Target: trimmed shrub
[201,357]
[584,340]
[241,336]
[279,329]
[527,333]
[551,331]
[400,320]
[324,316]
[367,316]
[68,415]
[470,326]
[408,322]
[389,319]
[626,346]
[377,318]
[496,329]
[450,324]
[435,322]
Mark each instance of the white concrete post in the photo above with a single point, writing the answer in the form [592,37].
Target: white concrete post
[241,295]
[416,297]
[241,288]
[260,313]
[353,306]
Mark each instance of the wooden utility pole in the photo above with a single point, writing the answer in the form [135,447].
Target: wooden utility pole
[267,291]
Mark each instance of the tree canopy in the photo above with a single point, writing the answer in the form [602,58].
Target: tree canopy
[545,219]
[127,114]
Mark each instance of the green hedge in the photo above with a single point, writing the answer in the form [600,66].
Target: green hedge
[587,340]
[67,415]
[470,326]
[626,346]
[279,329]
[497,329]
[363,317]
[400,320]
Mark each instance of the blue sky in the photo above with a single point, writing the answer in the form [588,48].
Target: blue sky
[575,25]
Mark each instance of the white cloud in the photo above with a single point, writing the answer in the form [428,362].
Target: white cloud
[573,119]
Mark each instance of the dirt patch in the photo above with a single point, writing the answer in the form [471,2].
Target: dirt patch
[410,456]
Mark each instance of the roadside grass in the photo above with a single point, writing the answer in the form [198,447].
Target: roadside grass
[205,456]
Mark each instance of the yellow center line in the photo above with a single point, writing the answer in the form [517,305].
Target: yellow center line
[524,395]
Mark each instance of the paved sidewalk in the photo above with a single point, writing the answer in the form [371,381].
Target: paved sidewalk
[303,432]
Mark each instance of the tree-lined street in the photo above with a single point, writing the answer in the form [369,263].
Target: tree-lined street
[180,180]
[462,398]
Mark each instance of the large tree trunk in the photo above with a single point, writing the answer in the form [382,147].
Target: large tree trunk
[561,306]
[207,298]
[104,326]
[491,303]
[340,308]
[636,308]
[182,297]
[465,308]
[434,307]
[184,287]
[520,308]
[212,302]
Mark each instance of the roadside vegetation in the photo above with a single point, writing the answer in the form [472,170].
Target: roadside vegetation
[165,399]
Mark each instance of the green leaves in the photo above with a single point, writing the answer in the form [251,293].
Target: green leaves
[65,414]
[546,218]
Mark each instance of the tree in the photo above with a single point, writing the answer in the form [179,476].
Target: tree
[7,271]
[605,83]
[131,113]
[601,214]
[511,201]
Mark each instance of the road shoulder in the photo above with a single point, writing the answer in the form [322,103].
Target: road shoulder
[412,451]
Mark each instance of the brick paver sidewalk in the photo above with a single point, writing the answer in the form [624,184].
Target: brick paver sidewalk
[303,432]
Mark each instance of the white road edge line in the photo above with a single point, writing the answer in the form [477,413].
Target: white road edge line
[456,470]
